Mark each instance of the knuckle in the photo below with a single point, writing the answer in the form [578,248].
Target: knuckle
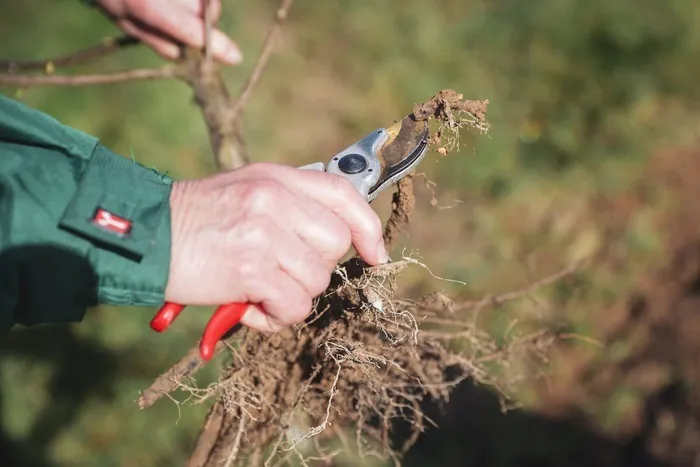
[255,172]
[342,240]
[343,186]
[258,168]
[262,195]
[268,170]
[248,271]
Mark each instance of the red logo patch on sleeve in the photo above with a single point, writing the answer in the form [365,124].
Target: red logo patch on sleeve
[112,222]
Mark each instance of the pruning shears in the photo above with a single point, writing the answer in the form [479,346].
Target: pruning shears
[371,164]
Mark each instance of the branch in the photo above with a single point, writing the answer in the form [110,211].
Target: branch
[210,93]
[263,58]
[107,47]
[145,74]
[173,377]
[222,121]
[212,97]
[221,113]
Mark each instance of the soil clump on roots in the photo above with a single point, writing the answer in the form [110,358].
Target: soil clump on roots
[361,361]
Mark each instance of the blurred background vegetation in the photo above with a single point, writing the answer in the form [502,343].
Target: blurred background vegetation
[594,113]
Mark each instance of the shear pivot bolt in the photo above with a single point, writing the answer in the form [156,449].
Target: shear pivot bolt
[352,163]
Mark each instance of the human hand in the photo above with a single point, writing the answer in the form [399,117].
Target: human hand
[269,235]
[162,24]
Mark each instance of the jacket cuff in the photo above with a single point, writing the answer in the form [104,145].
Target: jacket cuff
[123,209]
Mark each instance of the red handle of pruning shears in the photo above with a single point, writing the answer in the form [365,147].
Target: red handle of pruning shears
[224,318]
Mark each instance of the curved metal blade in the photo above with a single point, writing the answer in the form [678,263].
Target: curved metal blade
[381,158]
[401,153]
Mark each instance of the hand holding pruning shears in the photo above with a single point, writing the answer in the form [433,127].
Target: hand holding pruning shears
[263,240]
[283,232]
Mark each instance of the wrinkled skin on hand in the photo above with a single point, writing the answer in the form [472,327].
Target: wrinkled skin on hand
[162,24]
[266,234]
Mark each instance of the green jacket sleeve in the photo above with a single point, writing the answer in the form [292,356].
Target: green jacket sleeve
[79,224]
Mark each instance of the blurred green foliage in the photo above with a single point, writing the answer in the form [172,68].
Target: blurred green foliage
[580,93]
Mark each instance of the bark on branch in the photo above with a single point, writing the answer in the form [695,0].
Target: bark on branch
[32,81]
[86,55]
[214,101]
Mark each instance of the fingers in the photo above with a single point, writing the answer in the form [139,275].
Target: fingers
[340,196]
[183,24]
[270,235]
[320,229]
[223,48]
[302,263]
[160,45]
[255,317]
[286,297]
[284,303]
[305,238]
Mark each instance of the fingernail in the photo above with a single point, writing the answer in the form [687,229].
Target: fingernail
[225,49]
[233,55]
[171,51]
[382,254]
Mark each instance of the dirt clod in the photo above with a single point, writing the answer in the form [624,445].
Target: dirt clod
[453,113]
